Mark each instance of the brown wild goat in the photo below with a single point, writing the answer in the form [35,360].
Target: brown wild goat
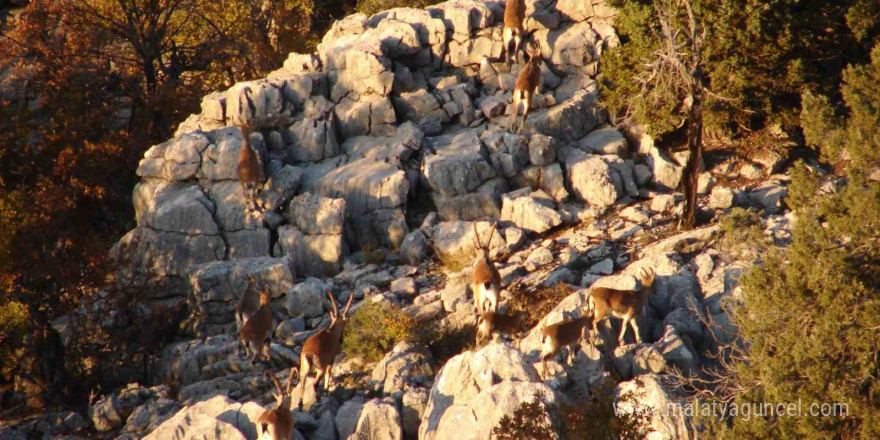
[491,322]
[277,423]
[624,304]
[514,14]
[321,348]
[255,332]
[485,280]
[250,170]
[248,304]
[563,334]
[527,84]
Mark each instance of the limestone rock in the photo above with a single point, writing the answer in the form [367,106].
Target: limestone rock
[401,365]
[592,179]
[379,421]
[528,213]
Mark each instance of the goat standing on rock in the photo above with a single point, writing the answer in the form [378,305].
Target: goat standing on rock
[485,281]
[563,334]
[321,348]
[624,304]
[250,170]
[255,332]
[514,15]
[526,86]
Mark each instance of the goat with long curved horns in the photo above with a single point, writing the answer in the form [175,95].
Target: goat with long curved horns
[277,423]
[320,349]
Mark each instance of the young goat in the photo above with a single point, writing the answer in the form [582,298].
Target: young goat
[491,322]
[514,14]
[250,170]
[526,86]
[485,281]
[321,348]
[277,423]
[248,304]
[563,334]
[255,332]
[624,304]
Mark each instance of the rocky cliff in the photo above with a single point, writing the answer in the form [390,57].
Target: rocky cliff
[394,112]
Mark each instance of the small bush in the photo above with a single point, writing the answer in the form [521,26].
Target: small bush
[444,340]
[14,319]
[595,419]
[529,422]
[375,328]
[743,233]
[452,264]
[537,302]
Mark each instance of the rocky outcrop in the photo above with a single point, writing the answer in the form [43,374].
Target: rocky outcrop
[475,389]
[349,122]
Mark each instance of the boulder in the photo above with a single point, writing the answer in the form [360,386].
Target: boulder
[528,213]
[252,101]
[379,421]
[592,179]
[307,298]
[607,140]
[414,248]
[348,416]
[475,389]
[375,194]
[175,207]
[457,167]
[542,150]
[401,365]
[177,159]
[216,418]
[111,411]
[647,395]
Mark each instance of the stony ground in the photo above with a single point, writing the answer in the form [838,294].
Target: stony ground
[382,149]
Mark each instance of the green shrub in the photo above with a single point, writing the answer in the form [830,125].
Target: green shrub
[14,323]
[375,328]
[758,57]
[809,319]
[742,234]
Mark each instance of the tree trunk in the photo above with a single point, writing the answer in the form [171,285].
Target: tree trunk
[695,147]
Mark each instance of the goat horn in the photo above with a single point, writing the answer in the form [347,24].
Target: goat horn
[335,307]
[348,304]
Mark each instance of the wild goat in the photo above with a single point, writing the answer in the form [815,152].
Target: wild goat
[485,281]
[563,334]
[321,348]
[514,14]
[255,332]
[248,304]
[624,304]
[491,322]
[277,423]
[250,170]
[526,86]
